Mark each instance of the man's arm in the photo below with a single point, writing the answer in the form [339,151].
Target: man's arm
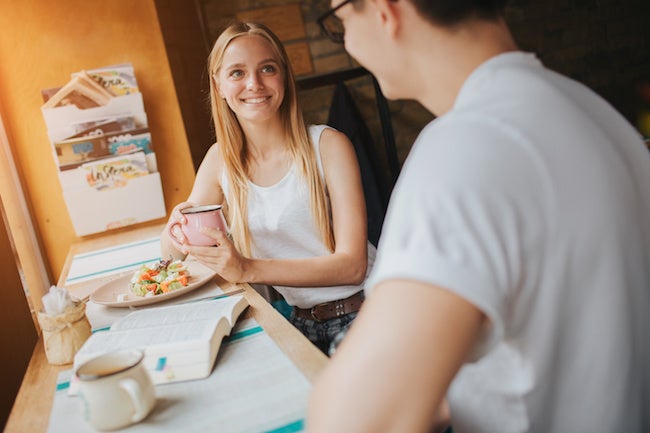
[394,367]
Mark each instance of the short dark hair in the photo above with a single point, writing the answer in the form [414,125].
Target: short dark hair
[451,12]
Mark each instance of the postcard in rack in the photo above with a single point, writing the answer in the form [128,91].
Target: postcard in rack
[76,151]
[180,342]
[115,172]
[59,119]
[81,91]
[117,79]
[103,126]
[93,211]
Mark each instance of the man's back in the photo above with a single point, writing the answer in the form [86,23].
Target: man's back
[567,186]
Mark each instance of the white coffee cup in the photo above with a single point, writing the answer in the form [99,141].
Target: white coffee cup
[116,389]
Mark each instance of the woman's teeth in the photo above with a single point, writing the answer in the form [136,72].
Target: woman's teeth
[255,100]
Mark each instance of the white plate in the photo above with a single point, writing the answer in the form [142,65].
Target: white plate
[108,293]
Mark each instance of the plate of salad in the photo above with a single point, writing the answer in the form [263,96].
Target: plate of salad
[152,283]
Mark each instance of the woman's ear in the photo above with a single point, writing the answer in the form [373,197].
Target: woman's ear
[217,87]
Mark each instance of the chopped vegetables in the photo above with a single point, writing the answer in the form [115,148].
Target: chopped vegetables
[164,277]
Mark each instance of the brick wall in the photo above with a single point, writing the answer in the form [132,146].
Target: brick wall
[603,43]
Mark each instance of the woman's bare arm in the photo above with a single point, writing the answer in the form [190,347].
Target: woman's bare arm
[346,265]
[206,190]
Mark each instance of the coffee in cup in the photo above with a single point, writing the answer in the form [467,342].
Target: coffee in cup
[210,216]
[116,389]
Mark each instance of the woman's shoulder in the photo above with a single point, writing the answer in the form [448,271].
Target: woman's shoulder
[214,150]
[327,139]
[325,134]
[212,161]
[315,133]
[214,154]
[332,147]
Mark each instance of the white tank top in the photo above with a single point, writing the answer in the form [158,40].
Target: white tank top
[282,227]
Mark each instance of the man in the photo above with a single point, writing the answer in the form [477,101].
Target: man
[513,273]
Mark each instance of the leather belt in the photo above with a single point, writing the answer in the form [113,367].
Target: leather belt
[333,309]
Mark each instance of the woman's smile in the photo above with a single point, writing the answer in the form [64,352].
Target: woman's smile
[256,100]
[251,79]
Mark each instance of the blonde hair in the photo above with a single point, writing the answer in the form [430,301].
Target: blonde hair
[232,143]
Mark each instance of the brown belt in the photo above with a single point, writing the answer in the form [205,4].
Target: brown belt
[331,310]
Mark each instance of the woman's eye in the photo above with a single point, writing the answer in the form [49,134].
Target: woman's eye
[269,69]
[236,73]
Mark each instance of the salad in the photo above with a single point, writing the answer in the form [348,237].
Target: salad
[165,276]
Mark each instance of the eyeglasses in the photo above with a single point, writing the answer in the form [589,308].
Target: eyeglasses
[332,25]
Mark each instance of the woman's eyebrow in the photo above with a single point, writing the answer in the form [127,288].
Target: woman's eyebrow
[269,60]
[235,65]
[243,65]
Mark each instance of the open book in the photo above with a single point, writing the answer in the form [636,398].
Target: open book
[180,342]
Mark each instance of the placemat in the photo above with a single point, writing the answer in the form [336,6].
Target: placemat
[254,388]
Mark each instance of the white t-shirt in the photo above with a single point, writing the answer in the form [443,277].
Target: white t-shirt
[282,227]
[531,199]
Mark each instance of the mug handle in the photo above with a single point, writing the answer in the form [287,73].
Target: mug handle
[171,234]
[132,388]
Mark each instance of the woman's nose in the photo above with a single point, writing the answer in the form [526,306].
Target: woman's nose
[254,82]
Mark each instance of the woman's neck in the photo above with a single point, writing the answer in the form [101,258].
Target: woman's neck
[263,139]
[268,157]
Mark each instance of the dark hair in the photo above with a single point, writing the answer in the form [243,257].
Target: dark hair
[451,12]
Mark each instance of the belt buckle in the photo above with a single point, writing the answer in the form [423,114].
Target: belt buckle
[339,310]
[313,316]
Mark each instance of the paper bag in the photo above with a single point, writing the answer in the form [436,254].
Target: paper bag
[64,334]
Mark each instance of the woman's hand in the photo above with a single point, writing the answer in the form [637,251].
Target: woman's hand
[223,258]
[173,229]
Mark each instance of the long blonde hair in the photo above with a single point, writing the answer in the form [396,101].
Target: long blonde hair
[232,143]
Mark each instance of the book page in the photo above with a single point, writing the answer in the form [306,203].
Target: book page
[182,313]
[180,342]
[179,333]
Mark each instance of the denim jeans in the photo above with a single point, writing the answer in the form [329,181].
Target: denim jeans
[323,334]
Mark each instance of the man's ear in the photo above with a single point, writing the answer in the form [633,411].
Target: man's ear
[389,14]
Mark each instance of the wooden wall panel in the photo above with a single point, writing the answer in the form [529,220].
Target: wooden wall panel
[43,43]
[187,49]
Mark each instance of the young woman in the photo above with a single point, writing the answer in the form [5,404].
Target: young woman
[292,194]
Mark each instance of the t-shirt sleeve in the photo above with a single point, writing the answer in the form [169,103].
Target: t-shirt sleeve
[455,221]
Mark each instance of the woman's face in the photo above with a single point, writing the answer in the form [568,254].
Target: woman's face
[251,79]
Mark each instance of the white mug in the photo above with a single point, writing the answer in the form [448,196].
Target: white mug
[116,389]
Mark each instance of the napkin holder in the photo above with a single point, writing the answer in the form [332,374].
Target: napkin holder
[64,334]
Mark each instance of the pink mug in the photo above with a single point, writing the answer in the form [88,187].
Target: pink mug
[198,217]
